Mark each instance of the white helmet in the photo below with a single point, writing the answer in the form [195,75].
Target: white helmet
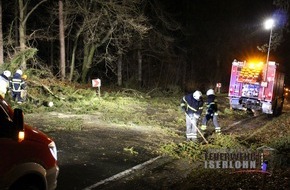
[19,71]
[7,73]
[210,92]
[197,94]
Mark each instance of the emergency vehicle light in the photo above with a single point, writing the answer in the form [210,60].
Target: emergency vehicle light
[251,71]
[21,136]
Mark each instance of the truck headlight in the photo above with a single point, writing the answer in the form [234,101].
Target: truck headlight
[53,150]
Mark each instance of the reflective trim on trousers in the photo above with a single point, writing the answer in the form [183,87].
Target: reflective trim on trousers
[191,136]
[217,129]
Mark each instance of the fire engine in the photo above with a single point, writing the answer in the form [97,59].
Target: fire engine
[257,86]
[28,157]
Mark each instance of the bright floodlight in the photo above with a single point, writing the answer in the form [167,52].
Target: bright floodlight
[269,24]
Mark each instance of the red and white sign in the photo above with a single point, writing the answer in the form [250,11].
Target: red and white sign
[96,82]
[218,85]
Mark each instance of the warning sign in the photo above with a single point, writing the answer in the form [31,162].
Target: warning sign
[96,82]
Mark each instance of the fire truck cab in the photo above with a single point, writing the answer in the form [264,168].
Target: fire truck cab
[28,158]
[257,86]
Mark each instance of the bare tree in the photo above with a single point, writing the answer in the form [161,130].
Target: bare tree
[106,29]
[23,17]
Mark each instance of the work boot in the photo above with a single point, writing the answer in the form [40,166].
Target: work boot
[218,130]
[203,127]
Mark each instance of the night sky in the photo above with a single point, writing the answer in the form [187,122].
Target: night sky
[233,27]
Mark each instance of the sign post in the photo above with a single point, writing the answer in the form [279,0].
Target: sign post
[218,87]
[97,83]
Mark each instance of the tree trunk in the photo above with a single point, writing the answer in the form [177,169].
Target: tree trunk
[61,39]
[139,67]
[72,64]
[16,24]
[88,60]
[120,70]
[1,36]
[51,53]
[22,34]
[217,71]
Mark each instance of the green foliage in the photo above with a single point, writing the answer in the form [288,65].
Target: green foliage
[130,151]
[195,151]
[16,60]
[228,111]
[282,144]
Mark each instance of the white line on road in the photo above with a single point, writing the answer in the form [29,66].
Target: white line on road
[122,174]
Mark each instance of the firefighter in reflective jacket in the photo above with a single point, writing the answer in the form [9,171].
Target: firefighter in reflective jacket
[192,105]
[4,82]
[17,84]
[212,112]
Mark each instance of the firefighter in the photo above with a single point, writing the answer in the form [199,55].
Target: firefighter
[192,105]
[17,84]
[4,82]
[212,112]
[24,91]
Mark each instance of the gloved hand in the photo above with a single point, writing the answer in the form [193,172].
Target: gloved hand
[183,109]
[196,116]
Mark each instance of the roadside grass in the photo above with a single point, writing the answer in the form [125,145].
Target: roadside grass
[275,134]
[117,107]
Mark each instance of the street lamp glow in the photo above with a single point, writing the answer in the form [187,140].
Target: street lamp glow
[269,24]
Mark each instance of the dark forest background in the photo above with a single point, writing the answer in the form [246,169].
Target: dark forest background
[142,43]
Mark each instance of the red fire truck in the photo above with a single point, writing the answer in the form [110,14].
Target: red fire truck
[257,86]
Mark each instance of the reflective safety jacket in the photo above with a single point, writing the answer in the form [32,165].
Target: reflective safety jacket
[17,84]
[211,105]
[191,105]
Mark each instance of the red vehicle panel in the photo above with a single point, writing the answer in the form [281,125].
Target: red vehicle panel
[28,157]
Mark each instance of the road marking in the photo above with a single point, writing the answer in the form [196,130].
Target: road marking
[122,174]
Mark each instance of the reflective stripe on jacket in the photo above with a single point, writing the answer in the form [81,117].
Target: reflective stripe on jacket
[17,84]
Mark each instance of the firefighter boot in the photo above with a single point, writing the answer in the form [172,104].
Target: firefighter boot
[218,130]
[203,127]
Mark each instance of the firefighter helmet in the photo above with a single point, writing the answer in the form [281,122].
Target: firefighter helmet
[197,94]
[7,73]
[210,92]
[19,71]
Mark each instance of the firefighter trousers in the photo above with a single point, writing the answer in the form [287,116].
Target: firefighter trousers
[191,124]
